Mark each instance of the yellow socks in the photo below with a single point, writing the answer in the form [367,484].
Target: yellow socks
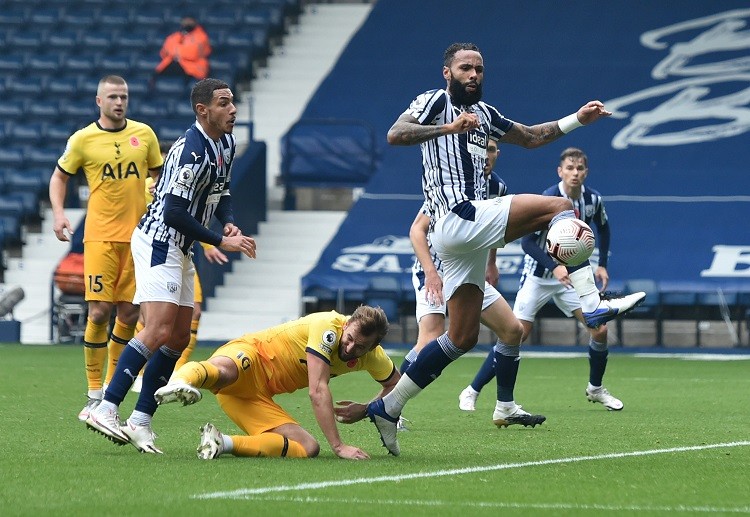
[267,445]
[95,354]
[185,357]
[199,374]
[121,334]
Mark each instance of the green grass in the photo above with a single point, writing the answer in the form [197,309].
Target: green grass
[51,465]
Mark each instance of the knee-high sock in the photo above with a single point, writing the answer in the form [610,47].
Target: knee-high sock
[198,374]
[158,371]
[598,353]
[95,355]
[185,357]
[267,445]
[485,373]
[130,363]
[427,367]
[507,361]
[118,340]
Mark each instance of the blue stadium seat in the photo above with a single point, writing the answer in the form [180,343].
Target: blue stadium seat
[29,204]
[23,182]
[171,86]
[11,157]
[84,63]
[154,17]
[385,292]
[45,64]
[13,17]
[138,40]
[41,157]
[57,134]
[45,17]
[10,225]
[26,40]
[79,16]
[13,62]
[183,109]
[98,41]
[149,109]
[28,133]
[118,64]
[10,110]
[65,86]
[27,86]
[43,110]
[171,130]
[63,40]
[115,18]
[146,62]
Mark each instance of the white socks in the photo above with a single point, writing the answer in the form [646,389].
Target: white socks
[585,286]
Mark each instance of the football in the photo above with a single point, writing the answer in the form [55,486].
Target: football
[570,242]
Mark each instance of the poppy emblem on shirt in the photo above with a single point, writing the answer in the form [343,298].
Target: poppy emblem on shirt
[352,363]
[134,141]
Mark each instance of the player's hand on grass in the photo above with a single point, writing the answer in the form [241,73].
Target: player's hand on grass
[349,452]
[348,411]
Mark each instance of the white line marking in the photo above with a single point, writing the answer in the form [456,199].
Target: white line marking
[483,504]
[243,492]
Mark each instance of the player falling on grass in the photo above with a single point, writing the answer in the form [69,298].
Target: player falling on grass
[246,373]
[544,280]
[453,127]
[116,155]
[193,188]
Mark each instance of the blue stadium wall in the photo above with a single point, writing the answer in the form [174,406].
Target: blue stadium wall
[672,161]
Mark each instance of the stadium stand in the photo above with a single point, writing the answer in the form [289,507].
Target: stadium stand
[651,160]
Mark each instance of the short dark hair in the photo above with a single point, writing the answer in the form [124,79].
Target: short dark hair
[372,322]
[450,52]
[574,152]
[203,91]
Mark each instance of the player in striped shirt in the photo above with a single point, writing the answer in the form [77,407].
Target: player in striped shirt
[453,126]
[544,280]
[192,188]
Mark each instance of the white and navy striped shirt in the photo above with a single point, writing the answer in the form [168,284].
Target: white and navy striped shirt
[452,165]
[589,207]
[197,169]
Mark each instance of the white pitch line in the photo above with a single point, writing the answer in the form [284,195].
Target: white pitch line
[516,506]
[243,492]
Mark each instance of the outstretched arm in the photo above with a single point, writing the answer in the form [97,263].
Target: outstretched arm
[542,134]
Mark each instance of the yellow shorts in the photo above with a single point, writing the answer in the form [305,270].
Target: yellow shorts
[197,290]
[247,402]
[108,272]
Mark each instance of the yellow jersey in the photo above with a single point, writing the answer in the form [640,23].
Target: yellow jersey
[116,164]
[283,350]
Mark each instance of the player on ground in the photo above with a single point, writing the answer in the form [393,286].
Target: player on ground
[246,373]
[544,280]
[453,127]
[116,155]
[193,187]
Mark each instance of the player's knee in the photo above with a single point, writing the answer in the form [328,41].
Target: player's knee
[99,312]
[312,447]
[513,334]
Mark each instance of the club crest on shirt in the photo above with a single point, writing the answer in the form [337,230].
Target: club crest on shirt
[185,177]
[172,287]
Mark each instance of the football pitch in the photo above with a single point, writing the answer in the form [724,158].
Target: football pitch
[681,446]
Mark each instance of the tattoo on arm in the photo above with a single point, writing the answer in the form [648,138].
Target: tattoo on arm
[408,131]
[533,136]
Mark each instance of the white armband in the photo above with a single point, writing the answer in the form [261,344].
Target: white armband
[569,123]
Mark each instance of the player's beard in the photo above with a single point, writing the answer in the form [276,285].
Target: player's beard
[460,96]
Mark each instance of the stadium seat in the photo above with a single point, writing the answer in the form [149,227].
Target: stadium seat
[98,41]
[84,63]
[29,86]
[63,40]
[45,17]
[62,87]
[171,131]
[117,64]
[11,157]
[26,40]
[43,110]
[115,18]
[13,17]
[10,207]
[137,41]
[11,110]
[46,64]
[13,62]
[80,16]
[154,17]
[650,309]
[149,109]
[171,86]
[22,181]
[10,225]
[28,133]
[42,156]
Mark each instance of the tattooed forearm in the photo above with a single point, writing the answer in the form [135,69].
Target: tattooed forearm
[408,133]
[533,136]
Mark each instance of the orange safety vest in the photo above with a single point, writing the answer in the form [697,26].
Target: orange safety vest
[190,50]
